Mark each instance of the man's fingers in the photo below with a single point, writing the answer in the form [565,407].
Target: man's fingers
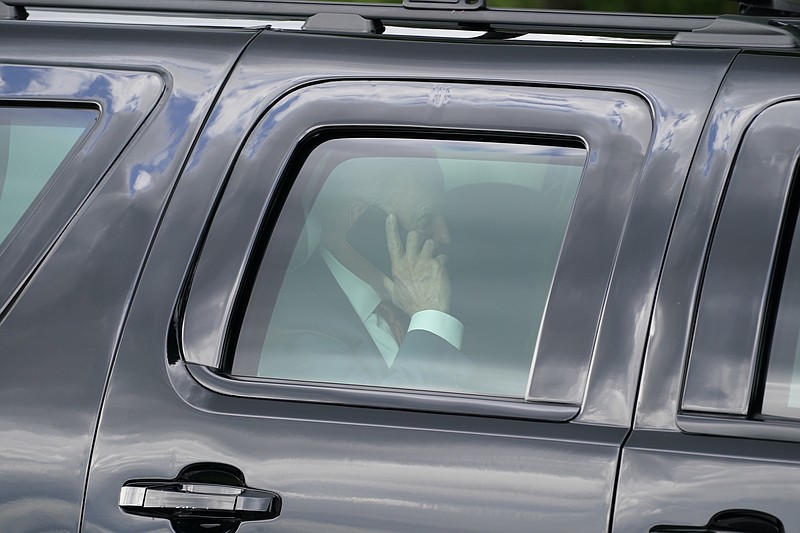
[393,239]
[442,259]
[427,249]
[412,245]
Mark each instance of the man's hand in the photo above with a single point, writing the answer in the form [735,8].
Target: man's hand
[420,280]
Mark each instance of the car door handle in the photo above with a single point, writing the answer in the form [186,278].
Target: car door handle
[731,521]
[176,500]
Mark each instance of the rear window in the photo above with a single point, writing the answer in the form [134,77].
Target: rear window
[34,143]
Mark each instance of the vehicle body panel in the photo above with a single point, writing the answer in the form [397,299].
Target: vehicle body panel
[122,286]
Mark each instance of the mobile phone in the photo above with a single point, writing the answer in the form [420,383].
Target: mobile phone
[368,238]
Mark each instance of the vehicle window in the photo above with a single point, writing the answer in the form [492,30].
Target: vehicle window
[33,143]
[782,383]
[421,264]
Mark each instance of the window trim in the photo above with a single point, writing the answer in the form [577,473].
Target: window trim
[205,315]
[748,428]
[90,159]
[388,398]
[704,407]
[787,251]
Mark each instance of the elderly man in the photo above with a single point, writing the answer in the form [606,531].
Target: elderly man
[341,318]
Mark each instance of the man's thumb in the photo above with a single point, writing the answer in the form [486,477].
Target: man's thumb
[388,284]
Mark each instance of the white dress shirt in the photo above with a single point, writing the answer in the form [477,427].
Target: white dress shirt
[364,300]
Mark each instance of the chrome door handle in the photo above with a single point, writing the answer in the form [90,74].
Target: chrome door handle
[731,521]
[176,500]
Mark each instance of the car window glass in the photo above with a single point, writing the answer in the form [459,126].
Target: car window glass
[475,229]
[33,143]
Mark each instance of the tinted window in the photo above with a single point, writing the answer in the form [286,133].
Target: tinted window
[453,302]
[33,144]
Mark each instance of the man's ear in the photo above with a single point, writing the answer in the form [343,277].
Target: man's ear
[356,210]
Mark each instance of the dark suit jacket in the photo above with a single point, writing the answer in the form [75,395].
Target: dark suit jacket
[315,335]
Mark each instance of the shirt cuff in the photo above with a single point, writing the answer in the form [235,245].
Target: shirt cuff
[445,326]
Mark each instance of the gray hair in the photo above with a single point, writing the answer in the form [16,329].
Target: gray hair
[372,181]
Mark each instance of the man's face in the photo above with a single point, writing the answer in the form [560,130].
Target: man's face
[418,206]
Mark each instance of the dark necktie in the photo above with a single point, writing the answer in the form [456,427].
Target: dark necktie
[395,318]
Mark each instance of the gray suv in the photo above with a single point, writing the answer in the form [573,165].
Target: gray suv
[299,266]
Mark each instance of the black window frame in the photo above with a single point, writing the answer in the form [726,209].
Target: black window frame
[787,264]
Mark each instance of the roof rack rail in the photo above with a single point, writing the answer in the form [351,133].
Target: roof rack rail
[772,8]
[723,30]
[8,12]
[445,4]
[440,13]
[737,30]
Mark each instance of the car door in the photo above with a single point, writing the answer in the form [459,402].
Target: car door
[92,132]
[557,171]
[715,443]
